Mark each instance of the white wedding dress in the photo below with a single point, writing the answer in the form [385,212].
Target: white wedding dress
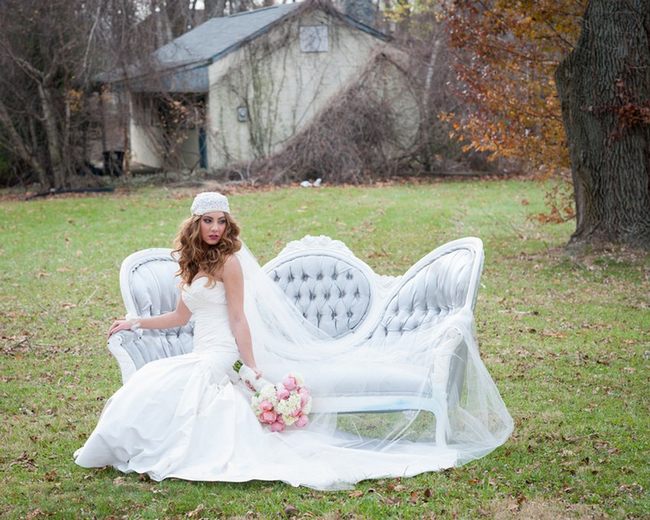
[182,417]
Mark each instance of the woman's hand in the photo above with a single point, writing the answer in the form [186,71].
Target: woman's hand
[119,325]
[250,375]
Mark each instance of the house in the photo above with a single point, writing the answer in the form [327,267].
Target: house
[238,88]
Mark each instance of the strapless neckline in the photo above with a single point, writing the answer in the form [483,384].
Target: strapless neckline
[204,277]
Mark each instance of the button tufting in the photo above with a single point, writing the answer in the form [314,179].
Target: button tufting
[305,277]
[319,276]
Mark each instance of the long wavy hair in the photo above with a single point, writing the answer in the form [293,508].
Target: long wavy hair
[195,256]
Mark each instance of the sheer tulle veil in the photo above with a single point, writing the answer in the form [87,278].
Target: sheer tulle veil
[284,341]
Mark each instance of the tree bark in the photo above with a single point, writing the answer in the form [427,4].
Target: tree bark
[19,147]
[604,89]
[214,8]
[53,137]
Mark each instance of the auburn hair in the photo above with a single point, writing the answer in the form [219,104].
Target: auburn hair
[195,256]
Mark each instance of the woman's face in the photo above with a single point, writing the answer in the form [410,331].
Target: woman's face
[213,226]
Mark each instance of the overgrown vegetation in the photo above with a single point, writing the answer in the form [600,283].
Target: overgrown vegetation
[566,340]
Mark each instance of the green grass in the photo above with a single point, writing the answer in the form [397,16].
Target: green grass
[567,341]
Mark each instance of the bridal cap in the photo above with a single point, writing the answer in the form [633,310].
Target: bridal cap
[209,201]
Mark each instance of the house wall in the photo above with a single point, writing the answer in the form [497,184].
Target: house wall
[282,87]
[143,137]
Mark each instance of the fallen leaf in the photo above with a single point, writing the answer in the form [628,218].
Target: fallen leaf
[199,509]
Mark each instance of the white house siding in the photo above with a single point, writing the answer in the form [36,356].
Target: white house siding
[143,138]
[283,87]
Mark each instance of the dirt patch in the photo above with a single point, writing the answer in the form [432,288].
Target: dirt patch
[510,508]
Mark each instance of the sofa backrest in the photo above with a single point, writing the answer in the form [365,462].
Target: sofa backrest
[334,290]
[149,283]
[442,283]
[331,293]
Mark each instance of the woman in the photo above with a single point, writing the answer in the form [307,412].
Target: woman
[206,247]
[182,416]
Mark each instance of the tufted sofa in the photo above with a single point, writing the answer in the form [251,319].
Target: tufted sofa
[342,296]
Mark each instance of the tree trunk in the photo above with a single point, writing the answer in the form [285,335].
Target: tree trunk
[215,8]
[178,16]
[19,147]
[53,137]
[604,89]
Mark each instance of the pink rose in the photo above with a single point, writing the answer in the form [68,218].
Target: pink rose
[282,393]
[266,406]
[304,396]
[277,426]
[289,383]
[297,412]
[302,421]
[269,417]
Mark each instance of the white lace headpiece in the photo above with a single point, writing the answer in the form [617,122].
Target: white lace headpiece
[209,201]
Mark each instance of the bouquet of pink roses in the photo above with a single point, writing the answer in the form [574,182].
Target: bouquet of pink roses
[286,403]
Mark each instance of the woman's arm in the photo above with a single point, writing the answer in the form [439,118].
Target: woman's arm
[233,281]
[176,318]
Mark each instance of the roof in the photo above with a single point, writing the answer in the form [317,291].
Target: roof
[183,61]
[216,37]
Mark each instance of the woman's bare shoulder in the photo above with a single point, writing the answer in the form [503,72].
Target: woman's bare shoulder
[231,267]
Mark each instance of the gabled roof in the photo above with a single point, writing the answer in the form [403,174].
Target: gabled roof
[181,65]
[217,36]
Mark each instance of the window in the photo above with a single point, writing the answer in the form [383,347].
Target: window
[314,38]
[242,114]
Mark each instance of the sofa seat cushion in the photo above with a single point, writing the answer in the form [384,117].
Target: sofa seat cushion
[354,380]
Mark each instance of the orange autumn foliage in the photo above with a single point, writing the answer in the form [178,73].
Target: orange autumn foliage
[507,52]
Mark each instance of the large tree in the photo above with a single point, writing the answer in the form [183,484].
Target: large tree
[604,87]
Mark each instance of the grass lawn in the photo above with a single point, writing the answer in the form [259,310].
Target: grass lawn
[567,341]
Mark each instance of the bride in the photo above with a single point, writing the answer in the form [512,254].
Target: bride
[183,417]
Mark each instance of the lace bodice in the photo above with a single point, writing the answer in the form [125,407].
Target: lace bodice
[210,315]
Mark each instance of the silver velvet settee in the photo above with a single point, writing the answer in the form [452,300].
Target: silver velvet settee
[341,295]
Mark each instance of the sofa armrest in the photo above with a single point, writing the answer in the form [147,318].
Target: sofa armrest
[133,350]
